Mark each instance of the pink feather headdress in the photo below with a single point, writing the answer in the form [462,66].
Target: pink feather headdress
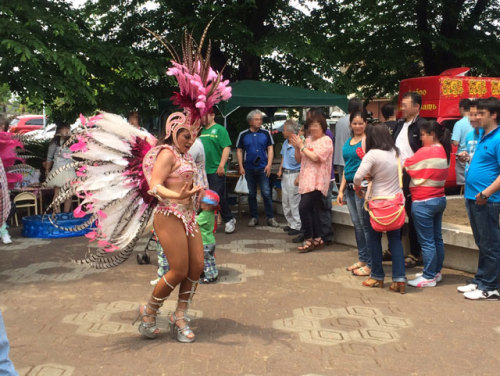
[200,87]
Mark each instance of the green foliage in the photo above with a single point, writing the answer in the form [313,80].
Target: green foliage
[377,44]
[100,57]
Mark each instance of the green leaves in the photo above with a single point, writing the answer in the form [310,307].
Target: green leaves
[98,56]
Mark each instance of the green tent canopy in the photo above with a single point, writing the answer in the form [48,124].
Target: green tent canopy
[267,94]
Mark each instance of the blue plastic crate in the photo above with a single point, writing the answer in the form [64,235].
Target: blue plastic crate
[38,226]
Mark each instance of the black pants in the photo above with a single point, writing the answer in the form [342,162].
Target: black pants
[218,184]
[415,249]
[326,216]
[311,208]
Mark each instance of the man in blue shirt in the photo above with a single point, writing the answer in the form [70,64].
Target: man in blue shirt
[482,194]
[289,173]
[460,131]
[472,137]
[257,143]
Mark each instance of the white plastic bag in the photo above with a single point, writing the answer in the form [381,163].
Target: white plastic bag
[241,186]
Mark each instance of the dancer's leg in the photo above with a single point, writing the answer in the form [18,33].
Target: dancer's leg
[188,286]
[172,237]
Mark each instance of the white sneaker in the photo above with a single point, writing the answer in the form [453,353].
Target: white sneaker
[253,222]
[422,282]
[439,276]
[272,222]
[6,238]
[482,295]
[467,288]
[230,226]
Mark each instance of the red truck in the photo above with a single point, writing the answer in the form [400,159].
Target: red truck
[440,97]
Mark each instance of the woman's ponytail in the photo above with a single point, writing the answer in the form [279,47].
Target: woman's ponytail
[442,134]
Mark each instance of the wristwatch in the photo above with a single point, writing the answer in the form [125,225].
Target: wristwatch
[483,196]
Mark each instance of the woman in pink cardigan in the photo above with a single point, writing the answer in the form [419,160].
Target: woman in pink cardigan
[315,155]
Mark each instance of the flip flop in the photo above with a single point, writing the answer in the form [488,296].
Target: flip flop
[362,272]
[356,265]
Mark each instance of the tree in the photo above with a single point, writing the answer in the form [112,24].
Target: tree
[42,54]
[52,53]
[380,43]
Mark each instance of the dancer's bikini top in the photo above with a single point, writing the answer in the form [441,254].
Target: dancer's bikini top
[186,170]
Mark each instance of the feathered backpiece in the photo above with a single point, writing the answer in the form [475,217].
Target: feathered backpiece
[200,87]
[108,154]
[8,154]
[114,160]
[4,196]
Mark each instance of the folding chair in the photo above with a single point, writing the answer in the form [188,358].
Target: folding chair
[25,200]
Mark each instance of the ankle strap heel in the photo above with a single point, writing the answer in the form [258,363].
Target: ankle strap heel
[398,287]
[149,328]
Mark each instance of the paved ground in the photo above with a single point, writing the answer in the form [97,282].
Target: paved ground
[274,312]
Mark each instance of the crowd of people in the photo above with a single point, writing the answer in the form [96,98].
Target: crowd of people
[403,163]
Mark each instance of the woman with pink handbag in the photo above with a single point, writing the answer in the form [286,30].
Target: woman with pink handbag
[385,204]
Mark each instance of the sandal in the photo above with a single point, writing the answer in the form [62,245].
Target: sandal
[411,261]
[364,271]
[354,266]
[318,243]
[307,246]
[182,334]
[370,282]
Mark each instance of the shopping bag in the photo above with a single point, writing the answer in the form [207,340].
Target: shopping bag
[241,186]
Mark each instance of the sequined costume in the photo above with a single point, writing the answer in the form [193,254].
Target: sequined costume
[186,173]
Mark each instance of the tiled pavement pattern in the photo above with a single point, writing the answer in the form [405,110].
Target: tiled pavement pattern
[273,312]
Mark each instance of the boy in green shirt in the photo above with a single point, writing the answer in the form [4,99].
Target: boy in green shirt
[206,221]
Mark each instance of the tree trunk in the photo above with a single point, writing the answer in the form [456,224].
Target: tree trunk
[424,35]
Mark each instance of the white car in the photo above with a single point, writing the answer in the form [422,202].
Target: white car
[279,119]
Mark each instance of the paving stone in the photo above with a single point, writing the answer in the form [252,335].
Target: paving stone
[272,312]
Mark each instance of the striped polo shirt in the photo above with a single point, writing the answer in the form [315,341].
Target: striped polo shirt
[428,169]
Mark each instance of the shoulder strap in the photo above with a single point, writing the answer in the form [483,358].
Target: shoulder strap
[368,196]
[400,173]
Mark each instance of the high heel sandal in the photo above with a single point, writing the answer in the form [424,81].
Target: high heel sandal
[148,329]
[370,282]
[184,334]
[307,246]
[398,287]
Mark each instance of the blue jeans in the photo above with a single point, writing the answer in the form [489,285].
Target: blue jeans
[427,217]
[484,221]
[218,184]
[6,366]
[254,177]
[375,245]
[357,212]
